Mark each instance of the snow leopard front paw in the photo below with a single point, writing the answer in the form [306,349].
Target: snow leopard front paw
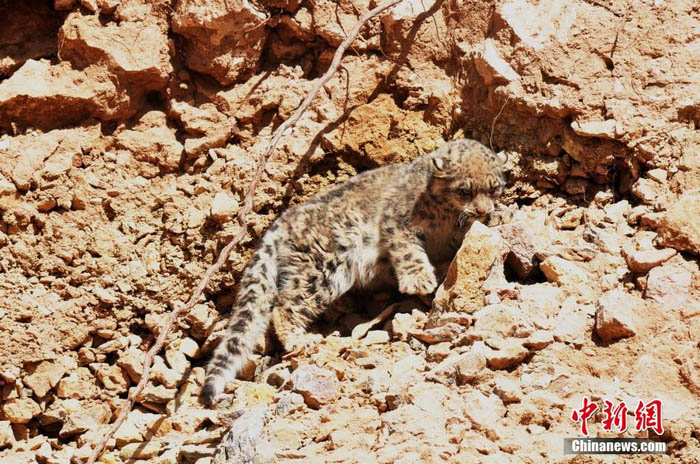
[421,283]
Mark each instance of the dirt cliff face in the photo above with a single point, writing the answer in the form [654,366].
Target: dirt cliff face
[129,132]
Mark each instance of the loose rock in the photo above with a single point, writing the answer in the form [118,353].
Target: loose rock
[668,285]
[615,315]
[317,386]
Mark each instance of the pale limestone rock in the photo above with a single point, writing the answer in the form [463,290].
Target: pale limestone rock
[403,323]
[509,353]
[39,84]
[647,190]
[7,436]
[679,228]
[223,207]
[287,435]
[527,235]
[45,377]
[221,39]
[317,386]
[491,65]
[642,261]
[668,285]
[485,412]
[78,384]
[508,389]
[443,333]
[615,315]
[562,271]
[84,418]
[144,450]
[606,129]
[156,394]
[479,259]
[572,322]
[501,319]
[438,352]
[376,337]
[539,340]
[20,410]
[112,377]
[132,362]
[470,366]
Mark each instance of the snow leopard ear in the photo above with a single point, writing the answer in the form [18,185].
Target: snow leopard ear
[440,166]
[502,157]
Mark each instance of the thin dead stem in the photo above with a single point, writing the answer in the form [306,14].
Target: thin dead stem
[493,125]
[181,309]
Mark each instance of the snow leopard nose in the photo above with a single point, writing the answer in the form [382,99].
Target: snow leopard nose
[483,205]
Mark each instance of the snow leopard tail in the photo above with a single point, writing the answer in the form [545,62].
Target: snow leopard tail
[249,319]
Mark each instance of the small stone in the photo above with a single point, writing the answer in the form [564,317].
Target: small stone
[539,340]
[502,319]
[156,394]
[132,362]
[571,219]
[647,190]
[562,271]
[377,380]
[276,375]
[112,377]
[659,175]
[189,347]
[289,402]
[465,320]
[508,354]
[200,321]
[616,212]
[668,285]
[177,361]
[440,334]
[129,431]
[508,390]
[223,207]
[572,322]
[20,410]
[285,435]
[317,386]
[679,228]
[642,261]
[376,337]
[78,384]
[615,315]
[470,366]
[636,213]
[144,450]
[485,412]
[84,418]
[45,377]
[438,352]
[403,323]
[651,220]
[7,436]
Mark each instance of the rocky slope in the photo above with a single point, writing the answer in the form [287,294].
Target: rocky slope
[128,135]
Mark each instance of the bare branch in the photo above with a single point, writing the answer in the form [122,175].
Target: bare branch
[247,207]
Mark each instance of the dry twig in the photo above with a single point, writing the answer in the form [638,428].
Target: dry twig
[181,309]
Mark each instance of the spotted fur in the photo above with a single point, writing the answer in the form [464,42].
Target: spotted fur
[389,226]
